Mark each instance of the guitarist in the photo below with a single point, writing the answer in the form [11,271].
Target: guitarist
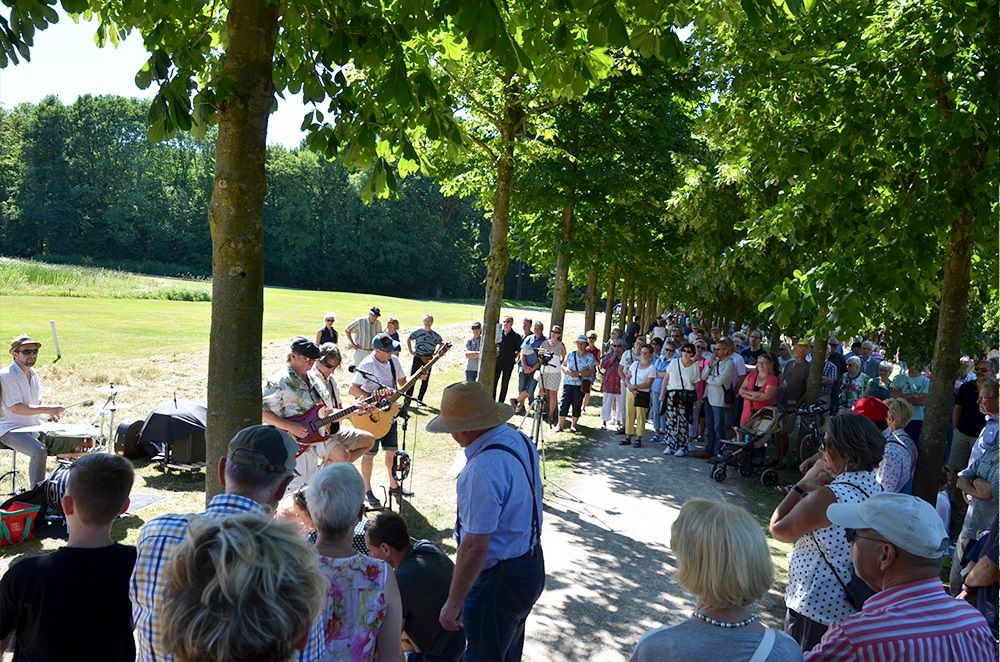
[385,370]
[347,444]
[289,393]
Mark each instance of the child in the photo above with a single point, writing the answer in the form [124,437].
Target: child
[73,603]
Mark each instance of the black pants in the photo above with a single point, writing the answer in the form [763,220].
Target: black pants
[502,371]
[571,396]
[803,629]
[417,365]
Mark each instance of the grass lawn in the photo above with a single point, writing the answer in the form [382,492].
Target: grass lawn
[158,348]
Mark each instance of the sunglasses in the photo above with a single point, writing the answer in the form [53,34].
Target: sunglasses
[330,319]
[29,352]
[852,535]
[689,351]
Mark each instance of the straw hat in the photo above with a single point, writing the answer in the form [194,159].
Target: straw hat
[467,406]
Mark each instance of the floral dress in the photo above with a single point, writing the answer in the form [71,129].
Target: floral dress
[355,607]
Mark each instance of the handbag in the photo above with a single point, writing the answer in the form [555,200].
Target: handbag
[688,395]
[585,384]
[642,399]
[728,393]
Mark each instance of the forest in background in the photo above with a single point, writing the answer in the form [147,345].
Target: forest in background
[82,184]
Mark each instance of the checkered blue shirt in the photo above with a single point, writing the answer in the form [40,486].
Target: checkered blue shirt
[157,539]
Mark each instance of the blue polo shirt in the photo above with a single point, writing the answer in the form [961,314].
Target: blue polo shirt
[528,347]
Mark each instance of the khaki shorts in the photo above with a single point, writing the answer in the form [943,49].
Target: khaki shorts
[350,439]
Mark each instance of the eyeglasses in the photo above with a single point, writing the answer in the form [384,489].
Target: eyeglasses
[852,535]
[689,351]
[29,352]
[330,319]
[327,365]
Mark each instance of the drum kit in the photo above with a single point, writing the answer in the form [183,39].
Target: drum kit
[67,441]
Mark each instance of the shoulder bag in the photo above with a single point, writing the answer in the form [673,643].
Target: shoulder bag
[642,398]
[688,395]
[728,393]
[856,591]
[585,384]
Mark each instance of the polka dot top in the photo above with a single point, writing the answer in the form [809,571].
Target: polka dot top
[812,589]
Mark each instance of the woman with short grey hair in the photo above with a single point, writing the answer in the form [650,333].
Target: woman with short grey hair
[362,618]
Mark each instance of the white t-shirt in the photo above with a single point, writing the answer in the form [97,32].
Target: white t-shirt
[638,375]
[681,377]
[17,388]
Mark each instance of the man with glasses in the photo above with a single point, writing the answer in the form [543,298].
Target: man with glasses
[380,369]
[21,405]
[869,362]
[347,444]
[968,417]
[755,349]
[897,543]
[289,393]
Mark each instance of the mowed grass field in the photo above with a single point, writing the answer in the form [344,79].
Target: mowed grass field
[157,348]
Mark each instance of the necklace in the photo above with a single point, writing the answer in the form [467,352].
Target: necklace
[724,624]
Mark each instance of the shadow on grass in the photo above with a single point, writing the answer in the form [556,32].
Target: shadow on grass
[176,482]
[421,529]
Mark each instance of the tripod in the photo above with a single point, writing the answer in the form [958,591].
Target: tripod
[539,407]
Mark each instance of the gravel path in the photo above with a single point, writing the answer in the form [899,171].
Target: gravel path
[608,562]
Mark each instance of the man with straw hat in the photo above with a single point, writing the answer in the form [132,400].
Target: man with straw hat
[499,568]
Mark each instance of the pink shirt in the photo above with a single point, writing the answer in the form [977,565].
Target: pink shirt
[750,406]
[909,623]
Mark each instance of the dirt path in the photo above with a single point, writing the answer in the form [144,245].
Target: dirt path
[608,562]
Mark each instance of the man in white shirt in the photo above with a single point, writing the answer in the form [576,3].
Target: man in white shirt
[21,405]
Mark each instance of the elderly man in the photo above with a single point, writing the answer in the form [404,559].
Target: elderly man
[719,375]
[258,466]
[968,416]
[422,344]
[499,568]
[897,542]
[869,362]
[362,331]
[21,405]
[979,486]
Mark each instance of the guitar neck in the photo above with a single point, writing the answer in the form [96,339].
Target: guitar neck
[334,417]
[415,377]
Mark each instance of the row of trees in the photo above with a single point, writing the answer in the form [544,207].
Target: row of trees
[826,167]
[83,181]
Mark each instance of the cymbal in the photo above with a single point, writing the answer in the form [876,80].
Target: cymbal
[112,389]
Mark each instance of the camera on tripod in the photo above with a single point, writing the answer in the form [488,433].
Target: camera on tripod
[544,356]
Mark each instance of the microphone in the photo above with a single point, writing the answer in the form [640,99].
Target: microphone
[352,368]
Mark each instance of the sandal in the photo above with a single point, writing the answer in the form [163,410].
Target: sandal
[627,441]
[637,443]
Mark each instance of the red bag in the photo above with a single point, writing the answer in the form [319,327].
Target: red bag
[17,521]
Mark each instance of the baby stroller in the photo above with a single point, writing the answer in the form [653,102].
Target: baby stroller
[748,450]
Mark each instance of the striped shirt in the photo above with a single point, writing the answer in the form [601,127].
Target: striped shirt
[364,331]
[915,622]
[157,539]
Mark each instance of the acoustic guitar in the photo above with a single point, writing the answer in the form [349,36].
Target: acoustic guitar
[379,420]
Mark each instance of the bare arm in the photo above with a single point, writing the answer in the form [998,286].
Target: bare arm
[22,409]
[985,572]
[976,487]
[796,515]
[469,563]
[388,644]
[297,430]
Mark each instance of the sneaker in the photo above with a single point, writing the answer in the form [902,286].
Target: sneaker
[573,429]
[691,447]
[667,451]
[679,452]
[399,490]
[372,499]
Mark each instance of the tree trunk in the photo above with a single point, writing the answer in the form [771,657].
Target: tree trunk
[947,349]
[560,290]
[590,303]
[236,221]
[496,261]
[623,316]
[815,386]
[609,305]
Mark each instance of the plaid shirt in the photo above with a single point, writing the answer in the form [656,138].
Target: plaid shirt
[157,539]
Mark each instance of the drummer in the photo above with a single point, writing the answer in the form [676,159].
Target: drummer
[21,405]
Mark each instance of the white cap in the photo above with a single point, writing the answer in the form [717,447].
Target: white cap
[906,521]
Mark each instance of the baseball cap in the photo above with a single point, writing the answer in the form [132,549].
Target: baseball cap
[305,347]
[265,447]
[375,311]
[385,342]
[477,325]
[19,341]
[906,521]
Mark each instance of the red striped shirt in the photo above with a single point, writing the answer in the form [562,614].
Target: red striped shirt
[914,622]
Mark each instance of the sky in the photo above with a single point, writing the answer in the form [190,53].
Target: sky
[66,62]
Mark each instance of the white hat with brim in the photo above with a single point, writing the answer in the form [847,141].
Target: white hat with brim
[466,406]
[906,521]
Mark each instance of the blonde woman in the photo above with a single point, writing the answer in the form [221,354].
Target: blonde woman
[723,560]
[326,332]
[899,459]
[242,587]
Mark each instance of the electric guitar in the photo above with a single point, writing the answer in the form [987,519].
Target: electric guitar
[322,425]
[379,420]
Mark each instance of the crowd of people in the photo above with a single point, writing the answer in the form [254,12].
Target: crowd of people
[272,568]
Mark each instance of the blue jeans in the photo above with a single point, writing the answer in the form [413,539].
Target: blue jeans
[716,422]
[497,607]
[654,409]
[471,375]
[29,444]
